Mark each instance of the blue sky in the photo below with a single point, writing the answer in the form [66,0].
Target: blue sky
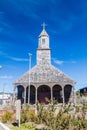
[20,26]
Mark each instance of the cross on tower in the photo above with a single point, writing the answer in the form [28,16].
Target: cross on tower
[44,25]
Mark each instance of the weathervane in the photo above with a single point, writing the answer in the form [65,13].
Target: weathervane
[44,25]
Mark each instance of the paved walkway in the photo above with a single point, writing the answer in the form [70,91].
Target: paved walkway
[3,127]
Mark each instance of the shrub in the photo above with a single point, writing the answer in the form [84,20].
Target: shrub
[27,114]
[7,117]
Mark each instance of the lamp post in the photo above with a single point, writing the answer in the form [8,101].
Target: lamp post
[30,55]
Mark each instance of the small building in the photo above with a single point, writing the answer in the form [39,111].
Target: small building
[44,80]
[83,91]
[5,98]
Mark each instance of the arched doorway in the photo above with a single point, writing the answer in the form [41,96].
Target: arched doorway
[67,92]
[20,94]
[27,94]
[57,93]
[32,94]
[43,93]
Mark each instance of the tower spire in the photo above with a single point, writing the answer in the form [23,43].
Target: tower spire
[44,25]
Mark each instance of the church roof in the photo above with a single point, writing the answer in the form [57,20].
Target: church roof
[43,33]
[43,74]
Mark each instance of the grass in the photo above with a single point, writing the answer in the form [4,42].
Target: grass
[25,126]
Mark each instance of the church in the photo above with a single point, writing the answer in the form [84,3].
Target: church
[44,81]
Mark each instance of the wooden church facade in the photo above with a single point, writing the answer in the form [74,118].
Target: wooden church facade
[44,81]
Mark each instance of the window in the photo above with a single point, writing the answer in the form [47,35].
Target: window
[43,41]
[84,90]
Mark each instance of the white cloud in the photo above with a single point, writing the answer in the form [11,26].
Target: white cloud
[12,58]
[6,77]
[0,66]
[17,59]
[60,62]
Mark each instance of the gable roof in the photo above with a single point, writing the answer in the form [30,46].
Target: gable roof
[43,33]
[43,74]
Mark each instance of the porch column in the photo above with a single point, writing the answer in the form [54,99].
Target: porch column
[36,96]
[24,95]
[63,95]
[51,95]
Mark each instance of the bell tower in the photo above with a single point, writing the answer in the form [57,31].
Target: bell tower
[43,51]
[43,38]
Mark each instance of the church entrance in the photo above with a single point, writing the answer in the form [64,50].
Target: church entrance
[32,94]
[20,94]
[43,94]
[57,93]
[67,92]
